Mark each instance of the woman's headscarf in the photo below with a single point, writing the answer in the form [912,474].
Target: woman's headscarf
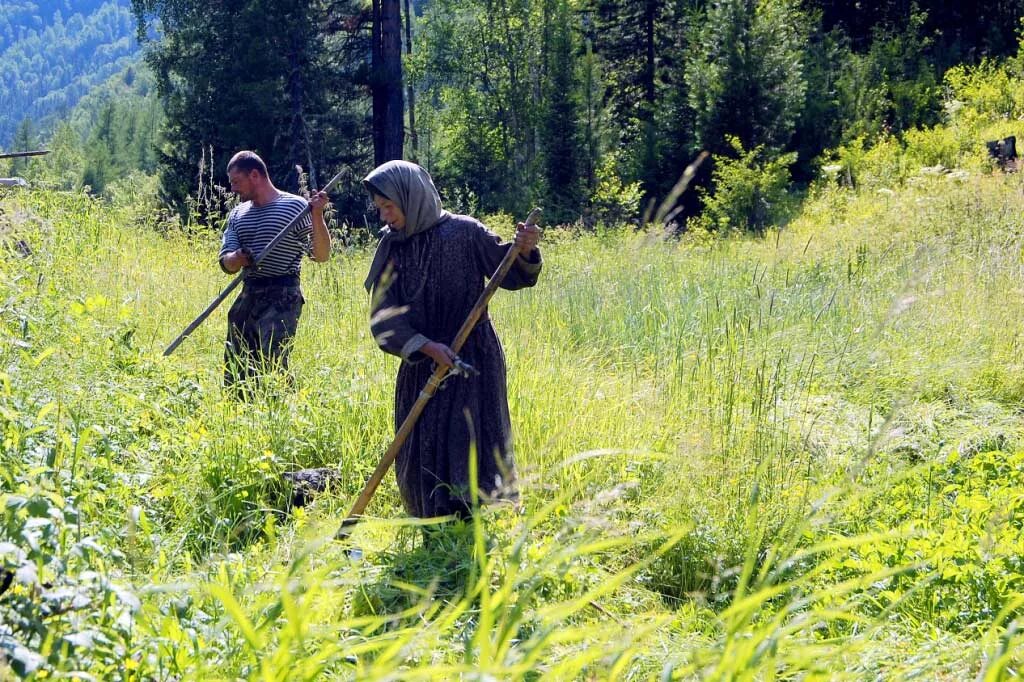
[411,188]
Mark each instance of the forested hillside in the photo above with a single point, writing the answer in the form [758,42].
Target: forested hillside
[52,53]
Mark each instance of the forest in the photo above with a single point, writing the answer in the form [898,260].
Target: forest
[53,53]
[596,105]
[590,108]
[765,390]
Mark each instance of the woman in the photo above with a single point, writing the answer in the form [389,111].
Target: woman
[427,273]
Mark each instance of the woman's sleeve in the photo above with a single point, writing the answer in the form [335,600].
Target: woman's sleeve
[391,324]
[489,250]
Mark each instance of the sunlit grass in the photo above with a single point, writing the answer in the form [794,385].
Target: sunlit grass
[741,458]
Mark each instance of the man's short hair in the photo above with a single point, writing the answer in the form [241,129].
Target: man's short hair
[246,162]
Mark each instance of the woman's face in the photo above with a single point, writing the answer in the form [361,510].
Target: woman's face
[390,213]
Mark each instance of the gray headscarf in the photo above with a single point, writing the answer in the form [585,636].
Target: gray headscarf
[411,188]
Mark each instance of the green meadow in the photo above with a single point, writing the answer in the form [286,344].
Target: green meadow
[794,455]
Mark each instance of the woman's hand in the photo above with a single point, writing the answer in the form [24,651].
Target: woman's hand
[439,353]
[527,237]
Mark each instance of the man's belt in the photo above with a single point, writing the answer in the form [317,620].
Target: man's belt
[279,281]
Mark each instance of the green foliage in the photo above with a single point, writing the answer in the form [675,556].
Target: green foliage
[614,202]
[937,146]
[111,133]
[891,88]
[981,104]
[24,140]
[822,117]
[961,520]
[750,190]
[745,75]
[119,124]
[262,75]
[561,119]
[791,455]
[479,67]
[984,102]
[595,133]
[638,40]
[64,166]
[991,89]
[61,610]
[742,515]
[957,31]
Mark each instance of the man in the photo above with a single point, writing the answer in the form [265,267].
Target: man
[264,317]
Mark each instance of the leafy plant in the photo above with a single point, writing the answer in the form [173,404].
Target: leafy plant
[749,190]
[61,609]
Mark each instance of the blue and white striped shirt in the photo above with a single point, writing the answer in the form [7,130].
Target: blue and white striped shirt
[253,227]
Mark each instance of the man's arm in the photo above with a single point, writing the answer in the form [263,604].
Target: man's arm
[235,260]
[321,238]
[233,257]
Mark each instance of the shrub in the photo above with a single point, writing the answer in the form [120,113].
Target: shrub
[749,191]
[614,201]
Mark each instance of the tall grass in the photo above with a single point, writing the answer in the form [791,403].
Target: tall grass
[745,458]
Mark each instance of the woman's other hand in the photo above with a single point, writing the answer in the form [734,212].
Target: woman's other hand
[439,353]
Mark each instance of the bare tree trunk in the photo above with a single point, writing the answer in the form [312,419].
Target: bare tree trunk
[377,92]
[299,145]
[414,142]
[386,62]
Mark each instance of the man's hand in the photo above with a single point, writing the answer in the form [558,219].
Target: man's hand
[236,260]
[527,237]
[439,353]
[318,201]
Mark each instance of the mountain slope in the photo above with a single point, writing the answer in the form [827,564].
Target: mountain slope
[53,52]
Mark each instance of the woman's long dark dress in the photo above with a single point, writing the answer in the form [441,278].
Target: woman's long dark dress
[435,278]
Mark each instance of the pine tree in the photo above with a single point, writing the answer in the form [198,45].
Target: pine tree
[631,36]
[255,74]
[745,75]
[65,164]
[560,134]
[102,152]
[24,140]
[593,114]
[677,145]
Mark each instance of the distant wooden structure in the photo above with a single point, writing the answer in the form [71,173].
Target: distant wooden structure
[19,182]
[18,155]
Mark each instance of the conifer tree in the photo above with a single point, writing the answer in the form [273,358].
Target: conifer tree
[256,75]
[745,75]
[24,140]
[560,133]
[65,163]
[631,35]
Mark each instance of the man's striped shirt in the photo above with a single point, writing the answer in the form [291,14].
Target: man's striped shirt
[253,227]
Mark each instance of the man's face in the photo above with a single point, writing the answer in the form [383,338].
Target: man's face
[390,212]
[243,184]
